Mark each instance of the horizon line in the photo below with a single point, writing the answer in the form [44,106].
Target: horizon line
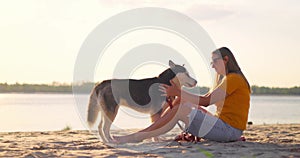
[56,83]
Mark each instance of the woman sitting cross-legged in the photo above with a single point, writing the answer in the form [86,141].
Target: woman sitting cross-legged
[231,95]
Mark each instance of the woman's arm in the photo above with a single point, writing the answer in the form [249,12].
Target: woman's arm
[216,95]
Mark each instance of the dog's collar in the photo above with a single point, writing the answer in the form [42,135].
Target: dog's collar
[169,101]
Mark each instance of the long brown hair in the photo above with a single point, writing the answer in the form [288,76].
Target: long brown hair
[231,67]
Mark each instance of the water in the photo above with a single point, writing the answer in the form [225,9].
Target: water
[274,109]
[45,112]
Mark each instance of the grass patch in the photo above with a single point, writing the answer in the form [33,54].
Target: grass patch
[206,153]
[67,128]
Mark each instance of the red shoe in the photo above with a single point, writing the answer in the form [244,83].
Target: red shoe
[242,138]
[187,137]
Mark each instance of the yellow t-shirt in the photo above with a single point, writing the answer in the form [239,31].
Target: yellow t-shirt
[236,105]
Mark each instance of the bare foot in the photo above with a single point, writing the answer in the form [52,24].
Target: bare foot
[158,139]
[116,140]
[123,139]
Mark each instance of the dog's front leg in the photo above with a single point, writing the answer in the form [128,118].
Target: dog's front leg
[165,108]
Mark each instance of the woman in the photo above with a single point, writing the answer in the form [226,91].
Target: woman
[231,95]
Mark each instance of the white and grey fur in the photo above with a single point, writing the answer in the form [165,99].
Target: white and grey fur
[141,95]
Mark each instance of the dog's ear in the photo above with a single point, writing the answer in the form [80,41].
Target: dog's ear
[171,64]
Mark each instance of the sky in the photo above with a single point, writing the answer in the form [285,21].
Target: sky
[40,40]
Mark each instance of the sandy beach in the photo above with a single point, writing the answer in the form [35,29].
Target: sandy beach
[278,140]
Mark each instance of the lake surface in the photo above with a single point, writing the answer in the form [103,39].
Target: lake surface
[44,112]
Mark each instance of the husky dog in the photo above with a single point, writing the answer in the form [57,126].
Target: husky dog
[141,95]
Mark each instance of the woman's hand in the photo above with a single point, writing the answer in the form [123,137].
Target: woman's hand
[172,90]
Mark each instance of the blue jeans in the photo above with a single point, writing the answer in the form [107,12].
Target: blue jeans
[212,128]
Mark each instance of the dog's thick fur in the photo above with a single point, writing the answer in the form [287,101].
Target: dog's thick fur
[141,95]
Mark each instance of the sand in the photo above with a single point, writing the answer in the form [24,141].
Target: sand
[279,140]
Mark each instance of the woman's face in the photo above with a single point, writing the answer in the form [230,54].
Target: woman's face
[218,64]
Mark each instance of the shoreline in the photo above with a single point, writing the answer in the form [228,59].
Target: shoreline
[88,93]
[272,140]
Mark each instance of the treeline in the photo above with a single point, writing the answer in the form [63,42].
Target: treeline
[85,87]
[45,88]
[34,88]
[256,90]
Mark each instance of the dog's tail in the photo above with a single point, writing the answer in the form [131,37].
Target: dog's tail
[93,108]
